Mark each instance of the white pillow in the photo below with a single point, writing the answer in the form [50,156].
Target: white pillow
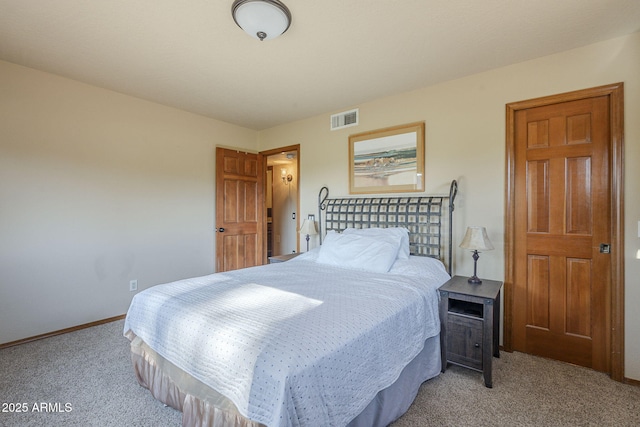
[310,255]
[358,252]
[424,267]
[393,233]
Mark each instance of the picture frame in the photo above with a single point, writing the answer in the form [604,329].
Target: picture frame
[389,160]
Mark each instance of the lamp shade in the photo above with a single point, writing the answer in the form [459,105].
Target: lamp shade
[308,227]
[261,19]
[476,239]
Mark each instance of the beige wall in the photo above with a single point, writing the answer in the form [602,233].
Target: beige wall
[97,189]
[465,140]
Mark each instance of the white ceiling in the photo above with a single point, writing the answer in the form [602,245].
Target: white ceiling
[336,54]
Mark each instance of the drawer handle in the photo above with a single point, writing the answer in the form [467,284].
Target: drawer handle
[477,345]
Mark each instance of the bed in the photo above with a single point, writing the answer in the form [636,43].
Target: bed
[344,334]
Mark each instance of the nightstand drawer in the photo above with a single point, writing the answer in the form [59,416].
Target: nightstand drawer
[464,341]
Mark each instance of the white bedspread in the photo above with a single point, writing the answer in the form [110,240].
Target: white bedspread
[294,343]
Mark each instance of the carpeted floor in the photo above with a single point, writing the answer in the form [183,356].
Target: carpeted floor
[85,378]
[527,391]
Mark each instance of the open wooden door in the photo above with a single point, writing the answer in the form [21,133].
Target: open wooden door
[239,209]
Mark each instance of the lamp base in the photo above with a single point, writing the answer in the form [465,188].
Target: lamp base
[475,280]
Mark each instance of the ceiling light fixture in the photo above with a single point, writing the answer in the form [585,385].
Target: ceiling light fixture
[262,19]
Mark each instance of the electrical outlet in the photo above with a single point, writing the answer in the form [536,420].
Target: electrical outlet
[133,285]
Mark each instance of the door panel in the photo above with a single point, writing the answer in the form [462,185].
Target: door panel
[579,297]
[578,195]
[538,291]
[538,202]
[238,210]
[561,216]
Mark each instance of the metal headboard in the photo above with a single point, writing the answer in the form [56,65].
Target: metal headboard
[421,215]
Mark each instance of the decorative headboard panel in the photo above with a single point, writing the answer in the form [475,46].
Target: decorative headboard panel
[421,215]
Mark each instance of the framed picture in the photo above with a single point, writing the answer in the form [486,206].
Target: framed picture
[389,160]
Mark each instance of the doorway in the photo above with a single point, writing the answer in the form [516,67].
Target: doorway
[564,279]
[282,200]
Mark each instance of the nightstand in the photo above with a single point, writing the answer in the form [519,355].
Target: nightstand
[470,322]
[283,258]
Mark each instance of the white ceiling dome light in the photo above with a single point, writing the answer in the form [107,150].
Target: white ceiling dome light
[261,19]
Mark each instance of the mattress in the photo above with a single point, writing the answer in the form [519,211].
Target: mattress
[295,343]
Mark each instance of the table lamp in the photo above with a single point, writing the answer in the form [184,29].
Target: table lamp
[476,239]
[309,228]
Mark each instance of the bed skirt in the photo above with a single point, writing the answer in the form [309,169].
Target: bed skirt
[201,406]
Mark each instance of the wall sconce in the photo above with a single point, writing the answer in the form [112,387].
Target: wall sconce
[286,177]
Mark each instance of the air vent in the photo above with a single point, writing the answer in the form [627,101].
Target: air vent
[344,119]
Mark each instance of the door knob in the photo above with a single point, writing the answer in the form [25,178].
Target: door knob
[221,229]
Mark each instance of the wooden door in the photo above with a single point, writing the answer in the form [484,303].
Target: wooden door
[561,274]
[239,210]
